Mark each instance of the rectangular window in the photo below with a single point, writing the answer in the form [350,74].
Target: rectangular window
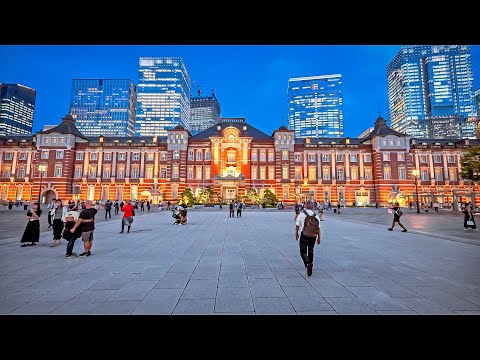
[21,172]
[263,172]
[368,157]
[122,156]
[174,191]
[438,175]
[424,174]
[340,174]
[58,170]
[354,173]
[298,173]
[325,158]
[263,155]
[22,156]
[120,173]
[176,154]
[452,174]
[175,172]
[271,156]
[79,156]
[163,156]
[78,172]
[401,156]
[136,156]
[297,157]
[451,159]
[190,172]
[368,173]
[423,159]
[353,157]
[339,157]
[47,140]
[106,173]
[402,173]
[107,156]
[6,172]
[150,156]
[134,193]
[285,174]
[93,156]
[44,154]
[284,154]
[387,173]
[59,154]
[190,154]
[326,173]
[163,172]
[231,156]
[437,159]
[54,140]
[254,172]
[149,173]
[199,155]
[386,156]
[61,140]
[271,172]
[135,173]
[208,155]
[311,157]
[199,172]
[207,172]
[254,155]
[93,172]
[312,173]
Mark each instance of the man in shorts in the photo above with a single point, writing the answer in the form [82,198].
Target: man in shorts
[87,219]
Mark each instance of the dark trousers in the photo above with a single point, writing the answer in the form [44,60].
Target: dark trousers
[239,213]
[306,247]
[109,213]
[123,226]
[116,210]
[49,219]
[71,242]
[57,229]
[232,213]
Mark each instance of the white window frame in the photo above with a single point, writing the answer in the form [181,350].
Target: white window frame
[58,173]
[45,154]
[150,156]
[297,157]
[311,158]
[163,172]
[402,173]
[325,157]
[79,156]
[93,156]
[78,172]
[326,173]
[400,156]
[284,154]
[386,156]
[367,158]
[22,155]
[339,158]
[136,157]
[353,158]
[298,173]
[176,154]
[107,156]
[122,156]
[59,154]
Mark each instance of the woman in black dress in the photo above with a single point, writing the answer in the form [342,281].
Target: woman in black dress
[32,231]
[469,220]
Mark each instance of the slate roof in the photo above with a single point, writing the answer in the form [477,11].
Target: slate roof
[67,126]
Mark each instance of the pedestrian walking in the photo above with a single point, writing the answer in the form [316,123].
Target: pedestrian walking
[232,209]
[87,220]
[338,207]
[128,213]
[239,209]
[436,206]
[397,214]
[148,205]
[57,213]
[116,206]
[469,220]
[50,207]
[32,230]
[298,208]
[108,209]
[308,225]
[168,204]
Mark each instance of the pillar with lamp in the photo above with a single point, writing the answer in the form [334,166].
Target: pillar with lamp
[416,173]
[41,169]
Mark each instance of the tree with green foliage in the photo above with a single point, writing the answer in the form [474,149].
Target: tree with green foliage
[470,162]
[186,197]
[253,196]
[269,197]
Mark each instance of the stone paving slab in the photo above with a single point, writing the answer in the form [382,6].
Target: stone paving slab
[250,265]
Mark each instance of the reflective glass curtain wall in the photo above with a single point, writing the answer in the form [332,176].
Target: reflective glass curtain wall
[204,112]
[315,106]
[17,105]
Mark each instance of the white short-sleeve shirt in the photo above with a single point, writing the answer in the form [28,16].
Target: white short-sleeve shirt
[301,218]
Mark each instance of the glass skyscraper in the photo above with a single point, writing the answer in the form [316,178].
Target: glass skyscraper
[104,106]
[163,99]
[432,85]
[204,112]
[477,98]
[315,106]
[17,104]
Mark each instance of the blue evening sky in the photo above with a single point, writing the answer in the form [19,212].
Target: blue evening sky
[250,81]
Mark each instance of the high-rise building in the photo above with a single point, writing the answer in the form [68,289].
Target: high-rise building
[163,99]
[204,113]
[104,106]
[315,106]
[17,104]
[477,99]
[430,82]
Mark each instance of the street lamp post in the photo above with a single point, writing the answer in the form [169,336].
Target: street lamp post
[41,168]
[415,173]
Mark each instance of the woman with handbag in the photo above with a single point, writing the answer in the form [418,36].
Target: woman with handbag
[32,231]
[469,221]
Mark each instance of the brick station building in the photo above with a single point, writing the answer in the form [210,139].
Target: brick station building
[233,157]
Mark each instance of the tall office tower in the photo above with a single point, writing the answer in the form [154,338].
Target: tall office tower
[17,104]
[104,106]
[432,84]
[204,112]
[477,99]
[315,106]
[163,99]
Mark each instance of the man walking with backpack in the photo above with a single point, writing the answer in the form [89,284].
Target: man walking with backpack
[308,223]
[397,213]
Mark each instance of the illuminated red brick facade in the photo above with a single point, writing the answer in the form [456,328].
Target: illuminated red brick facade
[233,157]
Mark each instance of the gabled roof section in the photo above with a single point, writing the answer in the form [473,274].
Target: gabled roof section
[382,129]
[251,130]
[67,126]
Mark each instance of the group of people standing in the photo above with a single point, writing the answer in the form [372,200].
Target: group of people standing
[236,205]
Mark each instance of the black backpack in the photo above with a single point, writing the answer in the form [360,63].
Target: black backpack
[311,225]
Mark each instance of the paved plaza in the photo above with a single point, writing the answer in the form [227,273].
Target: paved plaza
[248,265]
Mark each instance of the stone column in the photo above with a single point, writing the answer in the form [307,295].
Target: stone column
[155,167]
[333,155]
[142,162]
[29,163]
[445,167]
[127,167]
[99,164]
[86,162]
[14,162]
[431,168]
[114,164]
[360,163]
[347,165]
[305,167]
[319,166]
